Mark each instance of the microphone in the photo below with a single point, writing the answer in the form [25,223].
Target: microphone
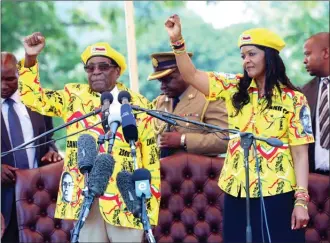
[124,97]
[100,174]
[106,100]
[86,155]
[128,123]
[97,184]
[128,120]
[126,188]
[141,178]
[114,121]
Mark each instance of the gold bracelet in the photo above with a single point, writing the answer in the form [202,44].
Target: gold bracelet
[301,201]
[302,205]
[300,188]
[176,52]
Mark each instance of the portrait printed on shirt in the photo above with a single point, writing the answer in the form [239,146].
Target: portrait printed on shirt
[67,186]
[305,119]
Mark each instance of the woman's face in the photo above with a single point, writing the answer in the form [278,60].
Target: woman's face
[253,61]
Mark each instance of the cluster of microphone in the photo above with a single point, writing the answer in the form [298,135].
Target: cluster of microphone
[98,168]
[119,116]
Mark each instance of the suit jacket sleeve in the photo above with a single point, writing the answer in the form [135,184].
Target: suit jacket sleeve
[210,143]
[49,125]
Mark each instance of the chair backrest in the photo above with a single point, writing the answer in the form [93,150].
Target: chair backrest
[191,203]
[318,229]
[36,194]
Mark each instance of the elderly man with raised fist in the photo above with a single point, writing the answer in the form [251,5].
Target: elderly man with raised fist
[108,219]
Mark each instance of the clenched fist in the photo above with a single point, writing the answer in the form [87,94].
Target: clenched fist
[33,44]
[173,27]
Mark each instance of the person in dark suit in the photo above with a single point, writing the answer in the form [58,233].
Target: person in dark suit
[316,60]
[16,118]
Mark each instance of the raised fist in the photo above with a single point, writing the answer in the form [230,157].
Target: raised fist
[33,44]
[173,27]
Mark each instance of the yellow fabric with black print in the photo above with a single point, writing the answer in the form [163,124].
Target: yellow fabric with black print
[288,119]
[104,49]
[72,102]
[262,37]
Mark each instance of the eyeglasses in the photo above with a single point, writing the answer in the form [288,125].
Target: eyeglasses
[101,66]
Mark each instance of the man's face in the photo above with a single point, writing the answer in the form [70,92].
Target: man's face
[313,58]
[9,77]
[173,85]
[102,74]
[67,187]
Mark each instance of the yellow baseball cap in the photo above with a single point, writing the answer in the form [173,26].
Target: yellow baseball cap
[104,49]
[164,63]
[262,37]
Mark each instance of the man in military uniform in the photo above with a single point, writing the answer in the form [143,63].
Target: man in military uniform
[184,100]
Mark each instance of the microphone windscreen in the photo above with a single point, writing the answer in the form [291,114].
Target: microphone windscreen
[126,188]
[100,174]
[124,94]
[106,95]
[128,123]
[87,152]
[141,175]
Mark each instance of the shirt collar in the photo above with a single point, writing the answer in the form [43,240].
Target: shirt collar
[15,97]
[323,78]
[253,84]
[115,92]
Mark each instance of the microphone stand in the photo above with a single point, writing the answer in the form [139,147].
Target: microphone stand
[133,151]
[82,218]
[145,221]
[246,141]
[102,138]
[95,112]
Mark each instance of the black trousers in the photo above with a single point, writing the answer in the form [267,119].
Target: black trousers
[11,231]
[278,208]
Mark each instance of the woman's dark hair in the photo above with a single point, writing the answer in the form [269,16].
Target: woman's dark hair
[275,74]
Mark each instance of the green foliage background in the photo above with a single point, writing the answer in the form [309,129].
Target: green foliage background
[69,26]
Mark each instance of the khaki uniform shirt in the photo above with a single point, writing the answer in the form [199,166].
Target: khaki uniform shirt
[194,106]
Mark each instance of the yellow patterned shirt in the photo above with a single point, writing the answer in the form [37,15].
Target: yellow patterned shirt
[72,102]
[287,119]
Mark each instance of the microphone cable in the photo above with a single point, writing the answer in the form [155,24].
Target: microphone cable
[53,140]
